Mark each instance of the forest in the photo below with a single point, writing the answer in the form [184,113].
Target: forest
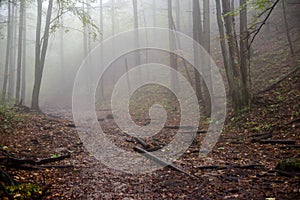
[149,99]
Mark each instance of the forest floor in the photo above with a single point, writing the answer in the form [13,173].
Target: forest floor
[241,166]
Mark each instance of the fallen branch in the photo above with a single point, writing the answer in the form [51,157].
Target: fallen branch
[30,164]
[185,128]
[279,81]
[162,162]
[290,147]
[260,137]
[292,142]
[6,178]
[217,167]
[142,142]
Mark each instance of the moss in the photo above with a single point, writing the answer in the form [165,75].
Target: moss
[24,191]
[289,165]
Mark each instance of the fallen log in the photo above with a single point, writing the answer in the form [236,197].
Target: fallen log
[290,147]
[141,142]
[291,142]
[261,137]
[184,128]
[163,162]
[279,81]
[218,167]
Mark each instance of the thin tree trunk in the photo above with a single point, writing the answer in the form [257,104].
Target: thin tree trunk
[197,32]
[234,56]
[23,88]
[41,50]
[113,17]
[287,28]
[62,58]
[224,49]
[244,52]
[178,17]
[172,43]
[7,56]
[206,66]
[20,46]
[12,67]
[136,26]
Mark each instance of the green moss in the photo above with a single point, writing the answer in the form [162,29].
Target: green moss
[24,191]
[289,165]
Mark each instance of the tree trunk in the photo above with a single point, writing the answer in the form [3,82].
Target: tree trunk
[244,53]
[197,32]
[225,54]
[41,50]
[12,66]
[7,56]
[23,88]
[287,28]
[112,17]
[178,17]
[20,46]
[136,32]
[172,43]
[206,66]
[234,56]
[62,58]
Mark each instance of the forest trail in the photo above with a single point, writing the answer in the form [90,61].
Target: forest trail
[241,166]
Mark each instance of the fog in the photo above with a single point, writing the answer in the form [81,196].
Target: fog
[70,42]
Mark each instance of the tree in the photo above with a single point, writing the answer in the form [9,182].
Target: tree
[136,26]
[20,49]
[42,39]
[197,36]
[41,44]
[172,43]
[8,48]
[23,82]
[287,29]
[237,96]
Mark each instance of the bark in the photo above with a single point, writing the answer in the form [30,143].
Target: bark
[287,28]
[178,17]
[225,53]
[172,43]
[62,58]
[197,32]
[7,56]
[23,82]
[12,66]
[20,48]
[233,56]
[206,66]
[40,52]
[113,17]
[136,26]
[244,53]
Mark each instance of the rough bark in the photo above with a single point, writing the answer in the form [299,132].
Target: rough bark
[20,48]
[7,56]
[197,32]
[172,43]
[41,50]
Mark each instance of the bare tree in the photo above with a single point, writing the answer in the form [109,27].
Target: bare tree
[40,51]
[172,43]
[12,66]
[8,48]
[287,28]
[23,81]
[20,50]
